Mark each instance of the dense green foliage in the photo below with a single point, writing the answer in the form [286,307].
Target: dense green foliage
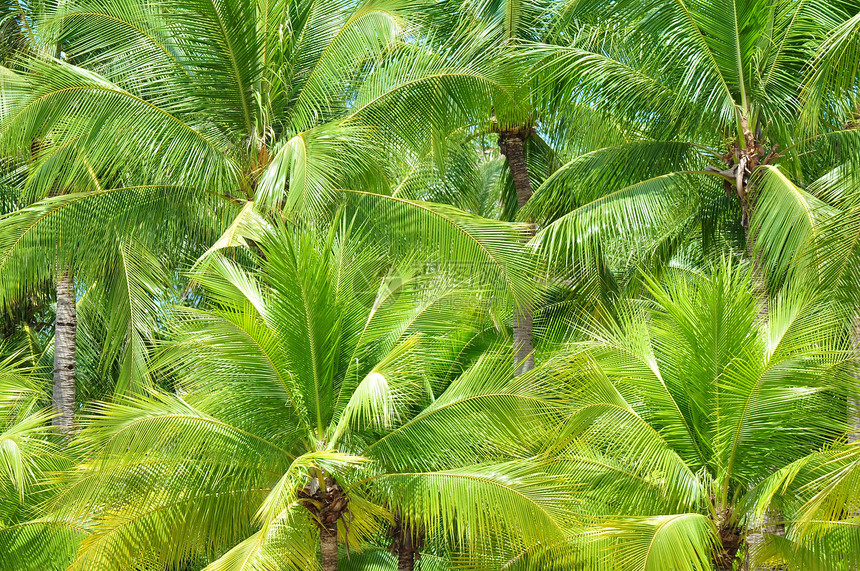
[399,284]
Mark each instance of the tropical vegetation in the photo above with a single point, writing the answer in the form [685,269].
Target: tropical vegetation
[424,284]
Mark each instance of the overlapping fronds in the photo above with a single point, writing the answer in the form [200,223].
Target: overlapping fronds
[786,219]
[467,244]
[680,541]
[40,544]
[469,505]
[298,251]
[338,357]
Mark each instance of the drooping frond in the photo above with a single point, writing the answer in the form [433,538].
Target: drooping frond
[679,541]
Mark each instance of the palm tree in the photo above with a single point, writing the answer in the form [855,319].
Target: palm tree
[93,169]
[316,396]
[474,100]
[321,394]
[688,412]
[22,37]
[528,134]
[266,111]
[721,139]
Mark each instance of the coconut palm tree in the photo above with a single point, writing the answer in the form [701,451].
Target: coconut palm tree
[49,145]
[326,395]
[529,135]
[22,37]
[721,138]
[688,413]
[147,120]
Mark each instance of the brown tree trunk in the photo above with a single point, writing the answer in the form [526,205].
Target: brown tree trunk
[511,146]
[327,503]
[64,354]
[405,560]
[743,162]
[406,542]
[328,549]
[731,540]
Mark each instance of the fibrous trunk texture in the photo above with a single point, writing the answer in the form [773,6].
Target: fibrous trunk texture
[730,541]
[406,543]
[743,161]
[511,146]
[326,503]
[328,549]
[405,560]
[64,354]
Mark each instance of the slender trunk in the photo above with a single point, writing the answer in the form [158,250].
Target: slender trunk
[406,542]
[327,503]
[523,343]
[328,549]
[405,560]
[64,354]
[743,160]
[511,145]
[731,540]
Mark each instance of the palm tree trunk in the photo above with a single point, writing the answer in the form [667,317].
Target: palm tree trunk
[731,540]
[523,343]
[327,503]
[328,549]
[511,146]
[64,354]
[406,542]
[743,161]
[405,560]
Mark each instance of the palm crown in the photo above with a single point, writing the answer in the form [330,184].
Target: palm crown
[160,136]
[366,403]
[720,139]
[324,388]
[691,404]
